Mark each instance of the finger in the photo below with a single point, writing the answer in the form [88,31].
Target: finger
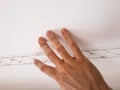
[58,46]
[50,71]
[49,52]
[73,45]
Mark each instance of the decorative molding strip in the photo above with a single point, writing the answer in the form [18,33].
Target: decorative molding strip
[28,59]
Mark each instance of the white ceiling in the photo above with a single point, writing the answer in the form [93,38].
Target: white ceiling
[95,24]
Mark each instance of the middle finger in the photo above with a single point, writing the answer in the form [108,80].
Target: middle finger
[58,46]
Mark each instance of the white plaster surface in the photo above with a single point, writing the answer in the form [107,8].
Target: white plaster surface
[94,24]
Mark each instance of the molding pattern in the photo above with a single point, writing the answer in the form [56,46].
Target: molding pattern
[28,59]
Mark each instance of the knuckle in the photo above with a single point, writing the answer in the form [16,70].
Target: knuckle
[73,44]
[60,48]
[62,51]
[45,46]
[50,54]
[51,38]
[67,35]
[43,68]
[64,76]
[75,47]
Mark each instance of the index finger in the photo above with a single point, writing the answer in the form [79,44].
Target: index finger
[73,45]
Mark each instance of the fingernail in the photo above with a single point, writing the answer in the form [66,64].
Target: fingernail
[41,39]
[64,30]
[36,62]
[49,33]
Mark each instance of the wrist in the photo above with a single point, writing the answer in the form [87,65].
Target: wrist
[103,86]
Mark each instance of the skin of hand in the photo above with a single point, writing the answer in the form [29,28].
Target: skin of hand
[71,73]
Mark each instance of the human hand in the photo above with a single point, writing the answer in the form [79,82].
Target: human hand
[71,73]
